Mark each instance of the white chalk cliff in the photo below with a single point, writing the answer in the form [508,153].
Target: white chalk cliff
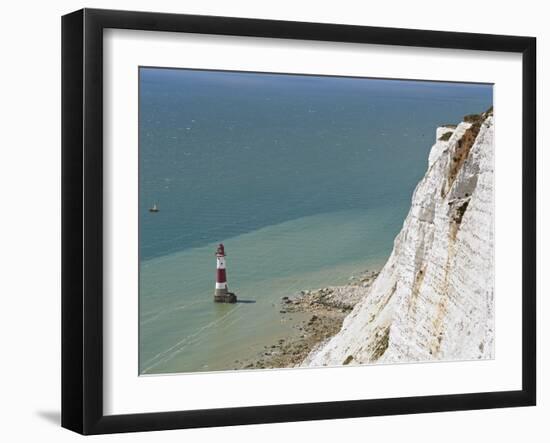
[433,299]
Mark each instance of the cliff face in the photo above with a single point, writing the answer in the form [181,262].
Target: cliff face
[433,300]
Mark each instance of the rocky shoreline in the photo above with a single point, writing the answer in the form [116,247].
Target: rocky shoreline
[324,310]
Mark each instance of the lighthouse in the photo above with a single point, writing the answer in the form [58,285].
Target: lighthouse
[221,294]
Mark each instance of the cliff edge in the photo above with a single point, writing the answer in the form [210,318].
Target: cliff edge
[433,299]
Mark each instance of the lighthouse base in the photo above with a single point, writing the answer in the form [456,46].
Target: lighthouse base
[223,296]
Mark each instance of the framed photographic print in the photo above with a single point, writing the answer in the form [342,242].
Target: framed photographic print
[269,221]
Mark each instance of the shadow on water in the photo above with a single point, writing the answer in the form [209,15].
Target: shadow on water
[246,301]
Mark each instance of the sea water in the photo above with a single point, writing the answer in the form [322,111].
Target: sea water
[306,180]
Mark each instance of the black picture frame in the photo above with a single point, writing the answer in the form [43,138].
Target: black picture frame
[82,221]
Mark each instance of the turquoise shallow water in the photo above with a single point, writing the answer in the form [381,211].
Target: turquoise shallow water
[179,319]
[306,181]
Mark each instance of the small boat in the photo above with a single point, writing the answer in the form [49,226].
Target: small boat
[154,208]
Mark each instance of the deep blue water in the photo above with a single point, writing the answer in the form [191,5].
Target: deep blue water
[227,153]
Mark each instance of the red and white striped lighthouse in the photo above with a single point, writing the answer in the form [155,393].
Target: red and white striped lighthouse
[222,295]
